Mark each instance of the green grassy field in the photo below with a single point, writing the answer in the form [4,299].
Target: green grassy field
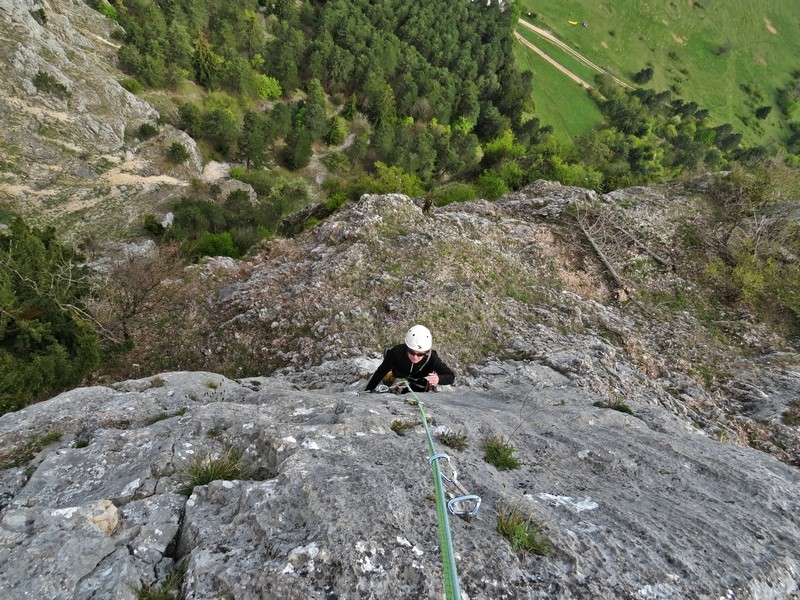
[560,102]
[729,56]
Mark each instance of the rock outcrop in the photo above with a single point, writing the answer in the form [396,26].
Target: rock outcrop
[334,504]
[499,280]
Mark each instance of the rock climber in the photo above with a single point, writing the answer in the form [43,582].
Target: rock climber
[413,361]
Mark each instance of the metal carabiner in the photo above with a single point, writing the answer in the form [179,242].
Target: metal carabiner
[437,456]
[471,498]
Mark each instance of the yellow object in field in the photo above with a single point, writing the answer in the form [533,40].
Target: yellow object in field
[572,22]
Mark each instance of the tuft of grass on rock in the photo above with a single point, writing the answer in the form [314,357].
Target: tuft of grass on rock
[500,453]
[25,453]
[205,468]
[618,406]
[83,440]
[168,589]
[400,426]
[167,415]
[791,417]
[455,440]
[525,535]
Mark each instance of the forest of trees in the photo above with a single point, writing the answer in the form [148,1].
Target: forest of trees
[430,90]
[46,346]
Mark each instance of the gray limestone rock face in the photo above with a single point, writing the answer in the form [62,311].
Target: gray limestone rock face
[331,502]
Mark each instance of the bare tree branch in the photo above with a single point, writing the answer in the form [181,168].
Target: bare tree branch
[642,246]
[584,226]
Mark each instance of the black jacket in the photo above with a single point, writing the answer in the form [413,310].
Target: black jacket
[396,360]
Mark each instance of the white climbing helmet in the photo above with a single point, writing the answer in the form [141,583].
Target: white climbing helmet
[419,338]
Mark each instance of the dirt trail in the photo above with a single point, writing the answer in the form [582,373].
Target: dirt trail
[553,62]
[559,44]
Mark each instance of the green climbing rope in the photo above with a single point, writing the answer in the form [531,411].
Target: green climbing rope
[452,588]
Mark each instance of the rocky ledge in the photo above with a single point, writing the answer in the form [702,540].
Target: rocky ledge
[333,503]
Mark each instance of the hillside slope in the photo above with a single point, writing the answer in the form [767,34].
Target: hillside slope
[69,155]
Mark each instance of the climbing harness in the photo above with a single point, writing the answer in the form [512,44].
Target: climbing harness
[456,506]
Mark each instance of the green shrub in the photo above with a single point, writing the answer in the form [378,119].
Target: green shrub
[215,244]
[763,112]
[500,453]
[643,76]
[132,85]
[491,186]
[47,83]
[107,10]
[337,162]
[335,201]
[177,153]
[152,225]
[267,88]
[245,237]
[388,180]
[147,131]
[458,192]
[337,131]
[45,344]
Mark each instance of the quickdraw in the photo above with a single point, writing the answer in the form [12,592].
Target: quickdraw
[466,497]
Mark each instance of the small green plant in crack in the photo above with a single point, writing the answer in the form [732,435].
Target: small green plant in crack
[400,426]
[792,419]
[82,440]
[525,535]
[452,439]
[168,589]
[25,453]
[157,382]
[49,438]
[618,406]
[205,468]
[214,432]
[167,415]
[500,453]
[211,384]
[721,435]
